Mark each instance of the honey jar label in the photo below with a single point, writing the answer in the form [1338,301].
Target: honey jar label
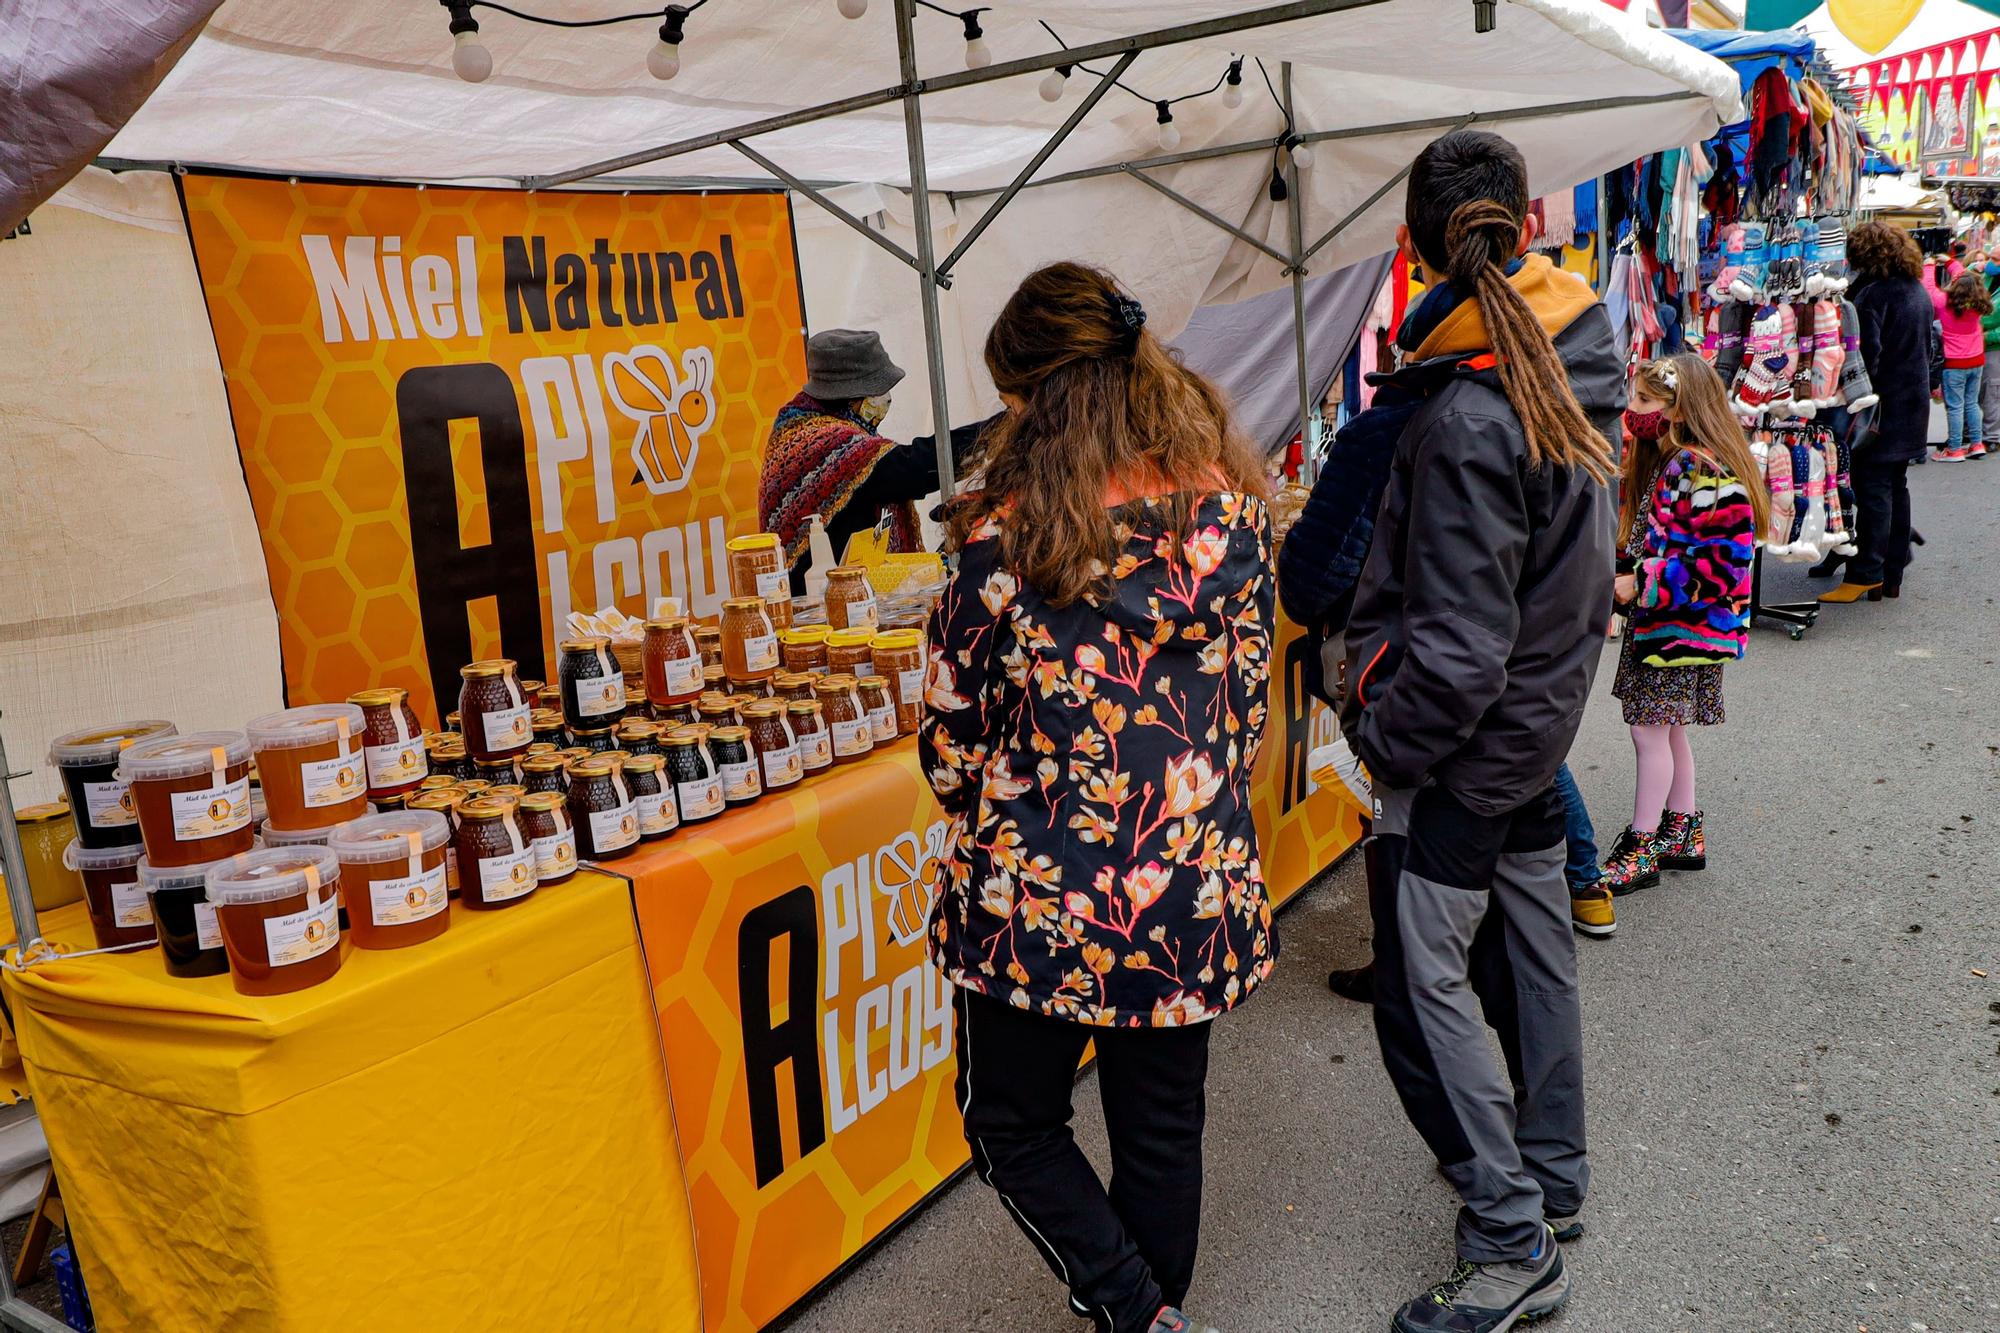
[507,727]
[861,614]
[884,722]
[782,766]
[852,738]
[612,829]
[910,685]
[816,750]
[700,797]
[555,855]
[774,586]
[508,875]
[683,675]
[207,930]
[760,652]
[109,804]
[128,905]
[657,813]
[297,937]
[210,812]
[604,694]
[739,781]
[398,764]
[333,781]
[408,898]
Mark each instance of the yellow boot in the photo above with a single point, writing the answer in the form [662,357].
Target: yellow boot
[1847,592]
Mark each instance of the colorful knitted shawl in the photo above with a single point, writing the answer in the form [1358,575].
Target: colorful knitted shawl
[1694,566]
[816,459]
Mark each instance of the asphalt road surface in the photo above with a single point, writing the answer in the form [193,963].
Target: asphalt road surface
[1793,1066]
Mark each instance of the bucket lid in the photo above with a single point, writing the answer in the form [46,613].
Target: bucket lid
[94,745]
[314,724]
[375,838]
[756,541]
[804,634]
[277,837]
[850,638]
[183,756]
[271,873]
[895,639]
[41,814]
[153,878]
[79,857]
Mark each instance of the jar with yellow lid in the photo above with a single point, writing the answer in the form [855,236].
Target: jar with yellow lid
[547,726]
[689,767]
[545,822]
[808,718]
[881,711]
[602,809]
[792,685]
[496,862]
[652,795]
[545,773]
[850,652]
[718,710]
[803,648]
[770,727]
[757,566]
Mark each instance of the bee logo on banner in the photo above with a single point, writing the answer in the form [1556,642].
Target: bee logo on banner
[463,413]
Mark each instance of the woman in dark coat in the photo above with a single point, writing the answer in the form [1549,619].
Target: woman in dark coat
[1896,316]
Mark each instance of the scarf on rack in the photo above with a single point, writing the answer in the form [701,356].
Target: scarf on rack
[1558,220]
[815,461]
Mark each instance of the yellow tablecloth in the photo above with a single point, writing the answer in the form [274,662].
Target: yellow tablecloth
[473,1133]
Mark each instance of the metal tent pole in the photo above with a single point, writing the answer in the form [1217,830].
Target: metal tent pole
[920,212]
[20,894]
[1309,466]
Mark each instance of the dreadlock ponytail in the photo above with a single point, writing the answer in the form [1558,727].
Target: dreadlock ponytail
[1481,237]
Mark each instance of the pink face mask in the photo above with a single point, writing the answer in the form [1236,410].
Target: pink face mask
[1646,425]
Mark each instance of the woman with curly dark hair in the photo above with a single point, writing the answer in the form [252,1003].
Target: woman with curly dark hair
[1896,317]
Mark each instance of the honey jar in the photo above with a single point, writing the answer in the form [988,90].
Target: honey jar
[88,763]
[494,713]
[736,764]
[544,817]
[792,686]
[757,567]
[190,937]
[652,795]
[899,659]
[546,724]
[46,832]
[670,662]
[392,742]
[311,763]
[676,715]
[847,724]
[881,712]
[637,738]
[717,710]
[803,648]
[749,689]
[496,862]
[850,601]
[691,769]
[269,835]
[749,643]
[545,773]
[594,742]
[602,809]
[192,795]
[713,679]
[392,877]
[533,688]
[280,917]
[494,772]
[445,803]
[112,894]
[593,689]
[808,720]
[448,758]
[777,747]
[851,652]
[708,642]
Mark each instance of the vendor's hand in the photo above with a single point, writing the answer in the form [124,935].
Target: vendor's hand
[1625,590]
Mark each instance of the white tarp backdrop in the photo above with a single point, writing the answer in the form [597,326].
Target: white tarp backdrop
[365,87]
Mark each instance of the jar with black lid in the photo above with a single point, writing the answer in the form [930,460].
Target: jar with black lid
[593,688]
[736,763]
[659,813]
[691,769]
[601,807]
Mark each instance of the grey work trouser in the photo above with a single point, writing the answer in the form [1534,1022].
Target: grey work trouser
[1472,915]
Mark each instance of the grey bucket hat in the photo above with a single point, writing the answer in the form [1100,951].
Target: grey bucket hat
[849,363]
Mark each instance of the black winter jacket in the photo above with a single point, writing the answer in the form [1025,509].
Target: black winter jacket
[1479,621]
[1321,558]
[1896,315]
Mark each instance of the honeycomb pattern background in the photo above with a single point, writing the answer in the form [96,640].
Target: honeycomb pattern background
[316,422]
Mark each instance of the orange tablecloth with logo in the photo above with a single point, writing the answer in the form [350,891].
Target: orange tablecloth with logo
[471,1133]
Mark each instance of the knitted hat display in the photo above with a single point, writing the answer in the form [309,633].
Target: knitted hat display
[1748,283]
[1771,351]
[1856,390]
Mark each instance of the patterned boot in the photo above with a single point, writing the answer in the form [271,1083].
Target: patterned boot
[1634,863]
[1681,843]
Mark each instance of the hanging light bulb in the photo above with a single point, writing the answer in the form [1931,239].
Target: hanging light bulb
[853,9]
[1232,85]
[1170,135]
[978,55]
[469,60]
[1055,83]
[664,60]
[1302,153]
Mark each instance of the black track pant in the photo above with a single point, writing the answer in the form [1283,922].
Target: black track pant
[1472,918]
[1122,1252]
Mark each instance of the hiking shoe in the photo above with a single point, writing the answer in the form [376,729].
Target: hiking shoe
[1353,983]
[1566,1229]
[1634,863]
[1170,1320]
[1490,1298]
[1591,913]
[1682,845]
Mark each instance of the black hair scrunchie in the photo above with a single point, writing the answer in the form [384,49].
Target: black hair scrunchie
[1133,316]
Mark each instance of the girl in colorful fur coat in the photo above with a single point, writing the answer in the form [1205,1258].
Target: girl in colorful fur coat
[1691,505]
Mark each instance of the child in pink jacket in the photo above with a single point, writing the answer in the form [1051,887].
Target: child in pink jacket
[1960,308]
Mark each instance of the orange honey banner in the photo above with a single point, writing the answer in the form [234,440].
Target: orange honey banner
[808,1040]
[463,413]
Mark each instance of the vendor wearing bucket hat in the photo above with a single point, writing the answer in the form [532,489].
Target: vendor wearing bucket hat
[825,456]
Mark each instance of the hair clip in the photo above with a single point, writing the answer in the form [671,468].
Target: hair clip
[1131,312]
[1670,377]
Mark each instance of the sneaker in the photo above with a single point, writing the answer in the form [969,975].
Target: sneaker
[1979,450]
[1353,983]
[1566,1228]
[1490,1298]
[1682,844]
[1590,911]
[1170,1320]
[1634,863]
[1951,455]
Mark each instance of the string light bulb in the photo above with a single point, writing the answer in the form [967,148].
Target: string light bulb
[1170,135]
[853,9]
[978,55]
[1302,153]
[470,60]
[1232,85]
[664,60]
[1055,83]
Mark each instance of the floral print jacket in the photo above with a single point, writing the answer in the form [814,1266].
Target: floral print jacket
[1096,761]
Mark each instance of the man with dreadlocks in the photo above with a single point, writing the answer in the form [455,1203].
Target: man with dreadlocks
[1476,630]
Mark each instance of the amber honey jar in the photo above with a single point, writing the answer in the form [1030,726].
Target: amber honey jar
[392,877]
[279,912]
[749,642]
[770,728]
[602,809]
[545,773]
[493,712]
[544,817]
[750,689]
[496,862]
[708,641]
[850,652]
[505,791]
[593,689]
[899,659]
[652,796]
[311,765]
[190,938]
[46,830]
[445,803]
[803,648]
[713,679]
[881,709]
[192,795]
[472,787]
[671,662]
[392,742]
[757,566]
[532,688]
[808,720]
[691,769]
[848,728]
[792,686]
[850,601]
[448,757]
[88,763]
[112,893]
